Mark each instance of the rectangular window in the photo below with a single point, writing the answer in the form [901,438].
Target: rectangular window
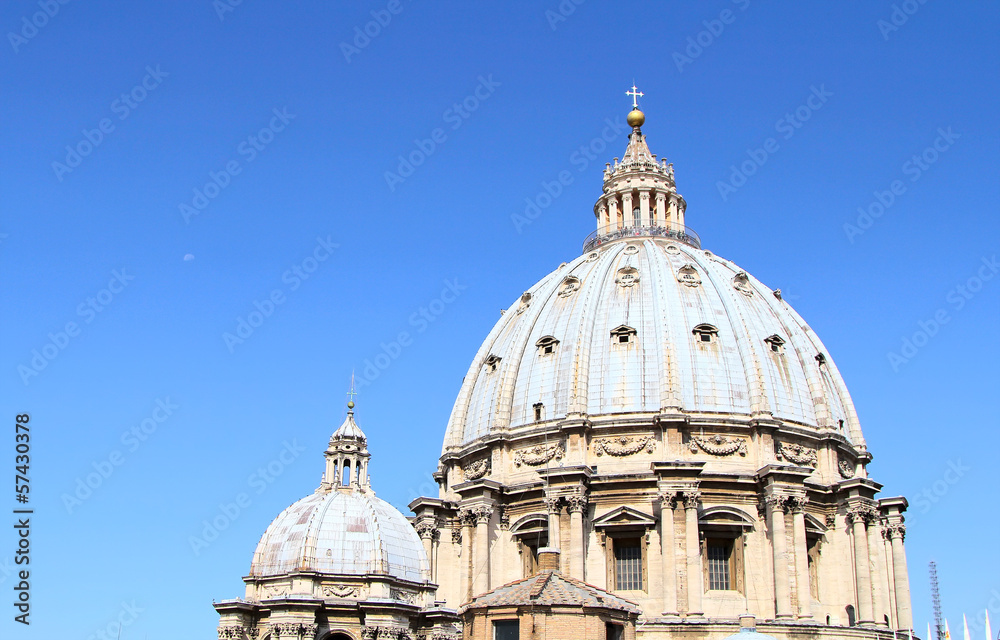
[614,631]
[720,553]
[506,630]
[628,564]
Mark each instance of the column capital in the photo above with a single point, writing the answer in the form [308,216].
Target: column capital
[504,518]
[862,512]
[894,530]
[456,535]
[481,514]
[691,497]
[668,499]
[552,504]
[426,530]
[797,504]
[776,502]
[577,503]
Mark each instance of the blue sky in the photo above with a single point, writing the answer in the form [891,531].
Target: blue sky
[167,168]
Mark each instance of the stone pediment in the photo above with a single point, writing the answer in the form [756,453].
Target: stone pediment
[624,517]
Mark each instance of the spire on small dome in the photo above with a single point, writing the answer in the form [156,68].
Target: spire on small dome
[347,454]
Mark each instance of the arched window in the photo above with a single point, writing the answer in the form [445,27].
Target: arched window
[492,362]
[347,474]
[851,620]
[706,333]
[775,343]
[546,345]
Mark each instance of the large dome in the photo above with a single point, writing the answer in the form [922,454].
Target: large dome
[703,337]
[342,532]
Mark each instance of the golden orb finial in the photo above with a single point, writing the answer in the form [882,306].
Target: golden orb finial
[350,404]
[635,118]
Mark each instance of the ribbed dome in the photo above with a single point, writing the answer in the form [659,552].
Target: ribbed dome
[341,532]
[649,325]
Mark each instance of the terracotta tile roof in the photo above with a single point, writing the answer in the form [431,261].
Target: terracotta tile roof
[548,588]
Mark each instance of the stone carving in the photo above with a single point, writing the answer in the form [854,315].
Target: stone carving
[894,530]
[577,503]
[390,633]
[552,504]
[831,520]
[796,504]
[688,276]
[504,519]
[624,445]
[274,591]
[776,502]
[426,530]
[672,248]
[796,453]
[631,250]
[691,498]
[568,286]
[718,445]
[846,469]
[525,302]
[231,631]
[480,514]
[456,535]
[293,630]
[538,455]
[341,590]
[476,470]
[742,284]
[403,596]
[627,277]
[593,255]
[863,512]
[668,499]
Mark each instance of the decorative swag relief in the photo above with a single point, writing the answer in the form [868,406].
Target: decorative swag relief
[340,590]
[476,470]
[538,455]
[846,469]
[796,453]
[624,445]
[718,445]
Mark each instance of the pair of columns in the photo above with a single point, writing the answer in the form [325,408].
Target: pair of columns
[863,518]
[777,506]
[576,504]
[688,500]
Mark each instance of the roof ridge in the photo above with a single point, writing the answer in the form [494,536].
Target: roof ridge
[540,582]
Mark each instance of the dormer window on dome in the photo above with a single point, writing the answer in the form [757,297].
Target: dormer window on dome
[546,345]
[820,359]
[705,333]
[492,362]
[623,334]
[776,344]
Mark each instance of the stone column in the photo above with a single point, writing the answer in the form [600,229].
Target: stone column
[644,209]
[904,613]
[695,580]
[426,531]
[880,575]
[798,506]
[603,222]
[779,548]
[465,537]
[862,568]
[553,506]
[668,500]
[577,505]
[629,219]
[661,210]
[504,548]
[481,553]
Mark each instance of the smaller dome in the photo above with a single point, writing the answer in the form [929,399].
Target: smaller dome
[635,118]
[342,532]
